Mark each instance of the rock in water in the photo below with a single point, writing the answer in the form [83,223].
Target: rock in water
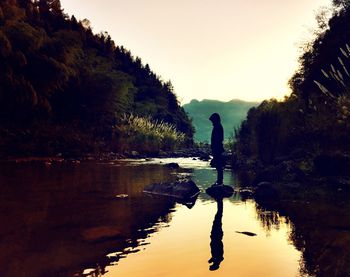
[266,192]
[181,190]
[250,234]
[121,196]
[220,191]
[172,165]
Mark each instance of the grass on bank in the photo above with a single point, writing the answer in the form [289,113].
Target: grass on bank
[145,135]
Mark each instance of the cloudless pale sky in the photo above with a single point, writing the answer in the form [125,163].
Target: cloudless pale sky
[222,49]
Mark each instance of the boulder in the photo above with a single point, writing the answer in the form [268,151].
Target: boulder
[220,191]
[245,193]
[172,165]
[182,190]
[265,192]
[204,157]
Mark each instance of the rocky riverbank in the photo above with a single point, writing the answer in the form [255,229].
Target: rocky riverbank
[332,169]
[313,193]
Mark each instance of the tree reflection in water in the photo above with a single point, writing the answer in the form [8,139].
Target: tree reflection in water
[270,219]
[61,220]
[319,229]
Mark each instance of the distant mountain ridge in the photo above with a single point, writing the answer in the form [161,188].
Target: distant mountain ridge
[232,114]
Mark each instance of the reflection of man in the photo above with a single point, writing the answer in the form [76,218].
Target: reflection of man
[216,245]
[217,136]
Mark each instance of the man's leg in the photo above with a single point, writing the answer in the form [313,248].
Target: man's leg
[220,176]
[220,170]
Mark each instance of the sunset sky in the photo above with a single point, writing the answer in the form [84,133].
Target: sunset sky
[223,49]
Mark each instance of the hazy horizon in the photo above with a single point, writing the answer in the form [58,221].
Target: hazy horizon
[223,101]
[225,50]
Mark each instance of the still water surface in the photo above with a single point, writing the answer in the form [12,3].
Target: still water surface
[93,219]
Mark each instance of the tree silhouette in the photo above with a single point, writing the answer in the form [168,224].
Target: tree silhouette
[56,72]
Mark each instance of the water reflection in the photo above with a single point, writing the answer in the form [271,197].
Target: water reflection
[270,219]
[216,235]
[67,221]
[60,220]
[322,233]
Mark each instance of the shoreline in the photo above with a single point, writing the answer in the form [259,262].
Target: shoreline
[108,156]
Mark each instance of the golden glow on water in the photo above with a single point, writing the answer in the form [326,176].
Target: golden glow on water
[183,248]
[66,221]
[90,232]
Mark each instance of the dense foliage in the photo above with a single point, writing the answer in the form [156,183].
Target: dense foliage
[314,119]
[62,85]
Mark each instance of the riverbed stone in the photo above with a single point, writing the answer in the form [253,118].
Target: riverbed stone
[173,165]
[185,189]
[245,193]
[220,191]
[204,157]
[249,234]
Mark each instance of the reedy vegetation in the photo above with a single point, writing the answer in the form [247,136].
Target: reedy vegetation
[338,78]
[147,136]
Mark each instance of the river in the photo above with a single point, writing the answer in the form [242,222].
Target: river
[93,219]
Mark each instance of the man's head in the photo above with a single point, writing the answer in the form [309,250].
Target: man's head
[215,118]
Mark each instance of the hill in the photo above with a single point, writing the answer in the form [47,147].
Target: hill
[65,89]
[232,113]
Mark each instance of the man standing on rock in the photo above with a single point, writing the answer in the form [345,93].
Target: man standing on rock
[217,148]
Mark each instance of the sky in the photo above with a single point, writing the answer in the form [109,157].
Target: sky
[222,49]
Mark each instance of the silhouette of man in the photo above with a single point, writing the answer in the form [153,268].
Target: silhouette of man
[216,235]
[217,137]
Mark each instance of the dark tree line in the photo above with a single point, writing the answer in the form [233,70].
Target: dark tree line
[315,119]
[55,73]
